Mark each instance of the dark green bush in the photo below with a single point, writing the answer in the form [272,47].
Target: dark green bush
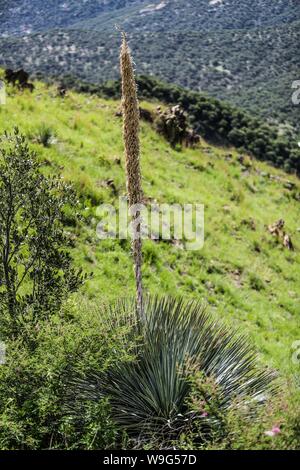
[32,384]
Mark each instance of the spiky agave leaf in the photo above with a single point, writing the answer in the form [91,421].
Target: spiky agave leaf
[148,394]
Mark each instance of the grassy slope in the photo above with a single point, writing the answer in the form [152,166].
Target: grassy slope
[258,291]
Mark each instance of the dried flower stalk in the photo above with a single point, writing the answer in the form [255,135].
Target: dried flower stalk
[130,111]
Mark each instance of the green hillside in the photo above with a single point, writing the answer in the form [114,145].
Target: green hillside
[241,273]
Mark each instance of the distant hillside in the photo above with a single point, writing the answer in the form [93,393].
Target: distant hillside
[241,51]
[199,15]
[19,16]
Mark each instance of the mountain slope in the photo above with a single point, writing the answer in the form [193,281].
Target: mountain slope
[241,272]
[201,15]
[254,69]
[23,16]
[247,54]
[18,16]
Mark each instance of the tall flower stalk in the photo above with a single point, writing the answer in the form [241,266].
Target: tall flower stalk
[130,110]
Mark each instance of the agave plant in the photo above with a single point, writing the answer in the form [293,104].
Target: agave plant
[174,339]
[148,395]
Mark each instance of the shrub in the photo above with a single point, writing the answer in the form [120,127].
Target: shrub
[148,395]
[36,271]
[256,282]
[45,135]
[273,427]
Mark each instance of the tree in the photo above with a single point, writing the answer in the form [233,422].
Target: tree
[36,272]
